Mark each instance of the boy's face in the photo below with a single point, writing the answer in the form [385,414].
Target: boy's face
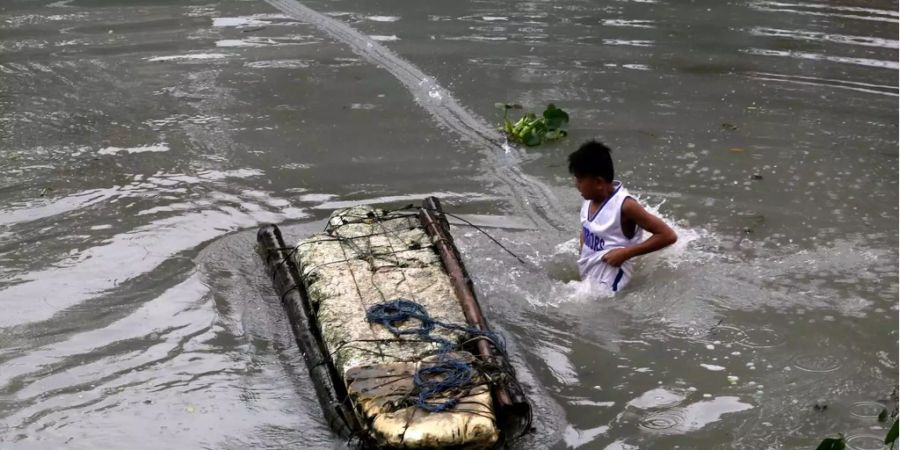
[592,188]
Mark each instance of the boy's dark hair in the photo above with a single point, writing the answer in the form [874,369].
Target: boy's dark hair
[592,159]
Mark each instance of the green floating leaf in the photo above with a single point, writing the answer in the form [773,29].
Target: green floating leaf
[532,129]
[832,444]
[892,434]
[531,138]
[556,118]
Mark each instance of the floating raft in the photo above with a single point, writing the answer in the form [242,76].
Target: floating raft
[387,319]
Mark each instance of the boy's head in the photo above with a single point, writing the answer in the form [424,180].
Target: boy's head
[592,167]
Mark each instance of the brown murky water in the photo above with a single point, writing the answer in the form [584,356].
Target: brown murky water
[142,142]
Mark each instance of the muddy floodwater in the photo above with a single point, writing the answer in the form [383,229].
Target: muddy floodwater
[143,142]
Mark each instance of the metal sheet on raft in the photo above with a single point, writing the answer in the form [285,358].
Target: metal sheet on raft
[365,257]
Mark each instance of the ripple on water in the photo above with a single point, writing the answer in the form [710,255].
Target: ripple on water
[691,333]
[817,363]
[727,334]
[663,420]
[761,338]
[720,334]
[692,417]
[657,398]
[866,409]
[865,442]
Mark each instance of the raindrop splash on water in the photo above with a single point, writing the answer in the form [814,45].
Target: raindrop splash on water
[866,410]
[817,363]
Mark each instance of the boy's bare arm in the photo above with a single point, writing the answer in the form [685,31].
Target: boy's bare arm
[663,235]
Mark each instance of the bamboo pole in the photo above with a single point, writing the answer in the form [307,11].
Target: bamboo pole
[330,389]
[510,399]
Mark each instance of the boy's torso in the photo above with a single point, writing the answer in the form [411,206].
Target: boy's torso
[601,229]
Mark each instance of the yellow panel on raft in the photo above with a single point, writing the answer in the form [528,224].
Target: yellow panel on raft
[366,257]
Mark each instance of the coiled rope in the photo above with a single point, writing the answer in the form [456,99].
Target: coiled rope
[447,373]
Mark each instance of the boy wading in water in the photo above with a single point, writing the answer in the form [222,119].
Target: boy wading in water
[612,221]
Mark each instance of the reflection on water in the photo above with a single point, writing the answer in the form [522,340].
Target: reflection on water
[141,145]
[818,36]
[692,417]
[835,11]
[818,56]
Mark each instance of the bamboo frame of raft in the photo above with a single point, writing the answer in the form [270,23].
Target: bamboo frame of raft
[513,411]
[330,390]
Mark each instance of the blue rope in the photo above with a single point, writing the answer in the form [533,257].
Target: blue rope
[447,372]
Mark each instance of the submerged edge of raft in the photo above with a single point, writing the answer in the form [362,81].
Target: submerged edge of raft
[350,400]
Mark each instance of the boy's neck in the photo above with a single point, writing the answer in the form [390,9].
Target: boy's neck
[605,194]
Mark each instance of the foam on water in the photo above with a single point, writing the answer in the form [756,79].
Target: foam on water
[280,64]
[619,445]
[254,20]
[575,438]
[237,22]
[383,18]
[685,250]
[154,148]
[255,41]
[541,284]
[249,42]
[188,57]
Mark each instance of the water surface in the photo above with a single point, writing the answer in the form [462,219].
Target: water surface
[142,143]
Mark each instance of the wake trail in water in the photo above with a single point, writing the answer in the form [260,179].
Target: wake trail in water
[529,195]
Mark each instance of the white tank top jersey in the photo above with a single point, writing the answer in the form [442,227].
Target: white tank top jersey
[601,233]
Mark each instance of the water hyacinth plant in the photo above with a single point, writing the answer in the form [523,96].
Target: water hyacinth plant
[532,129]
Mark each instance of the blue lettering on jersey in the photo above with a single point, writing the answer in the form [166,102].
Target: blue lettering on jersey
[591,240]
